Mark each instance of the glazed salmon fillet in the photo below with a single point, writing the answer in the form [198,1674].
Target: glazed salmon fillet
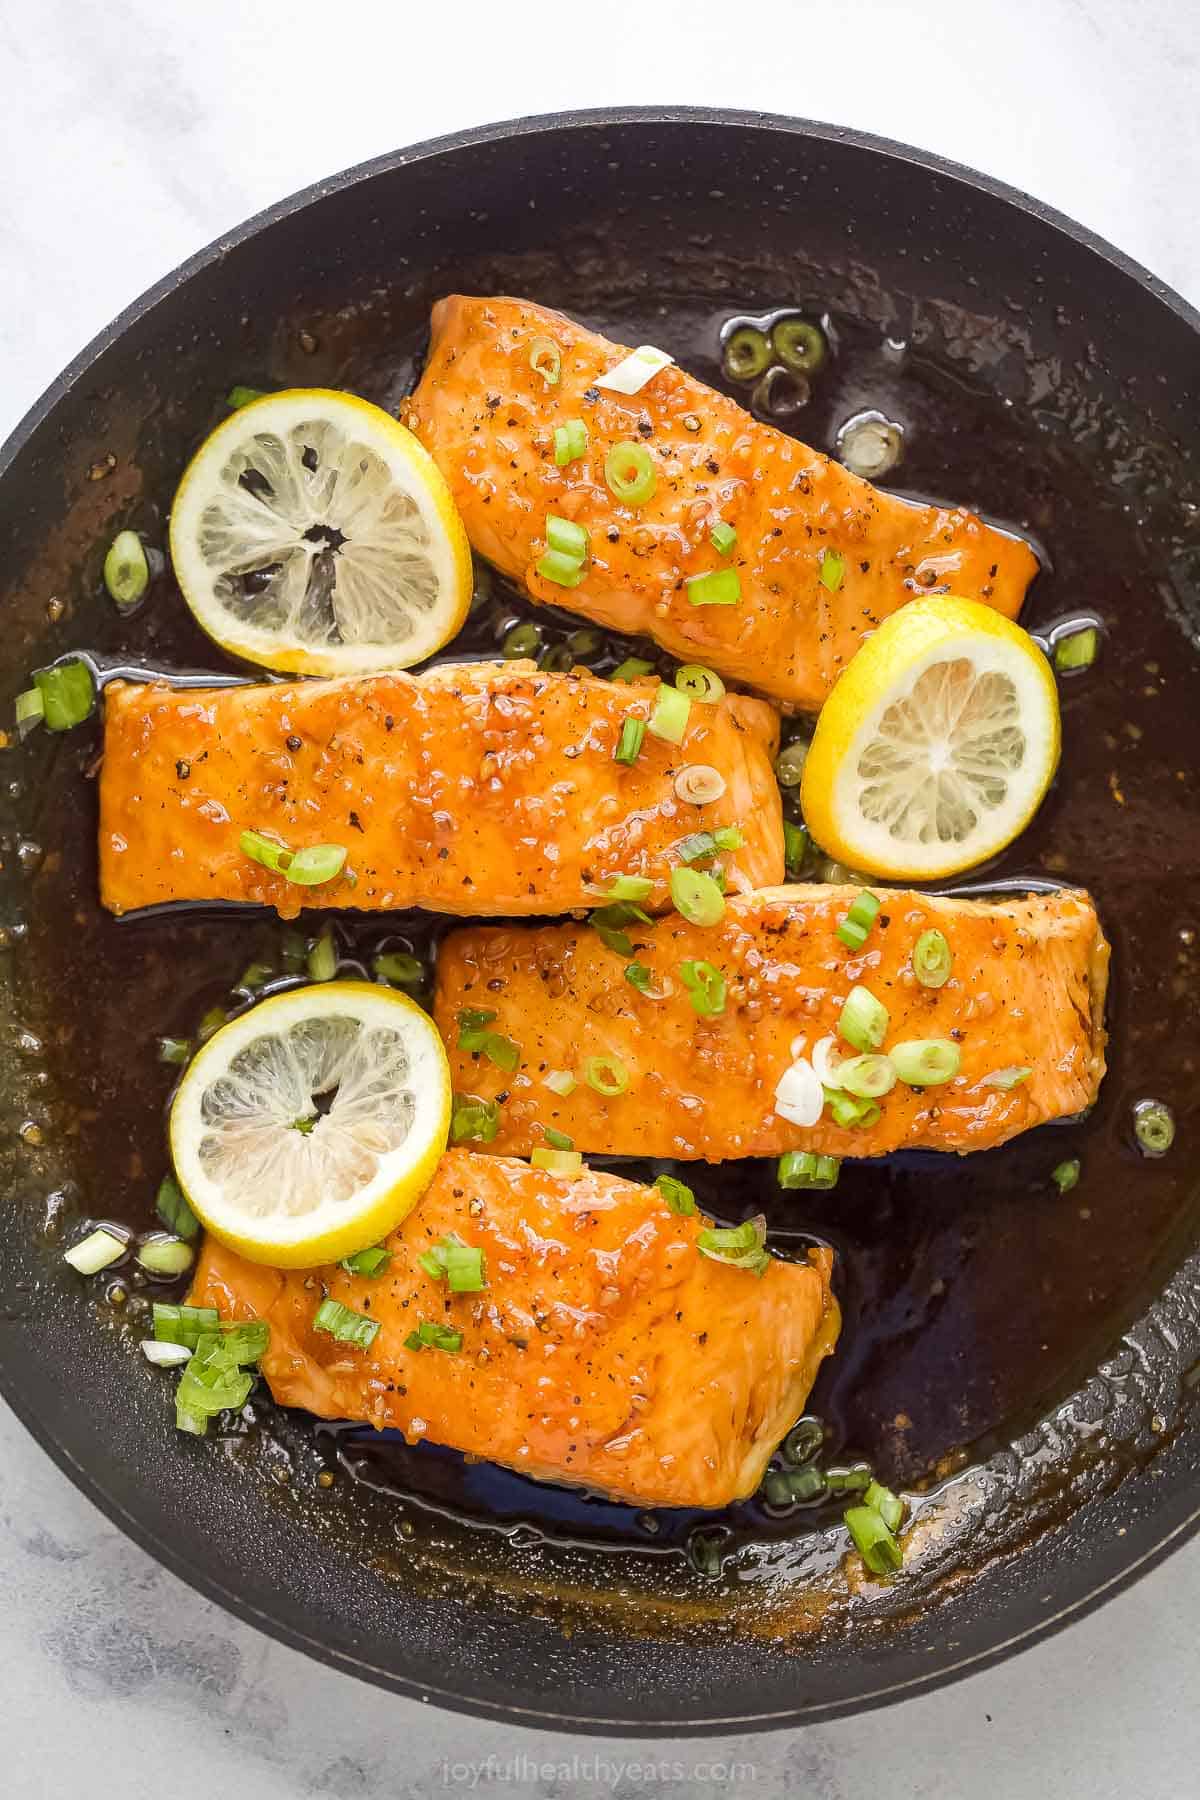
[1026,991]
[488,416]
[475,788]
[605,1350]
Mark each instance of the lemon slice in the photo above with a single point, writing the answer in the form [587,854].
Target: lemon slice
[307,1128]
[312,533]
[936,745]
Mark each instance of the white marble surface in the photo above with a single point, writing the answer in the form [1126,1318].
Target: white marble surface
[130,135]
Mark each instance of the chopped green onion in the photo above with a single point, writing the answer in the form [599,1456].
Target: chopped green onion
[30,711]
[677,1194]
[722,537]
[564,571]
[214,1018]
[1154,1127]
[239,396]
[1006,1079]
[854,1480]
[67,694]
[795,1486]
[570,442]
[873,1541]
[630,887]
[741,1246]
[431,1336]
[253,977]
[545,359]
[609,922]
[346,1325]
[323,958]
[459,1265]
[833,569]
[267,851]
[247,1341]
[165,1356]
[889,1506]
[633,371]
[796,847]
[126,571]
[370,1263]
[561,1082]
[183,1324]
[316,865]
[632,669]
[522,641]
[606,1075]
[1066,1175]
[859,920]
[728,837]
[702,844]
[474,1121]
[557,1162]
[699,784]
[212,1382]
[502,1051]
[849,1111]
[804,1441]
[669,719]
[174,1210]
[1077,650]
[565,536]
[745,354]
[165,1255]
[867,1077]
[629,744]
[629,473]
[805,1169]
[699,683]
[472,1027]
[789,764]
[864,1019]
[719,587]
[926,1062]
[706,985]
[95,1252]
[798,345]
[398,968]
[931,959]
[639,976]
[697,897]
[557,1140]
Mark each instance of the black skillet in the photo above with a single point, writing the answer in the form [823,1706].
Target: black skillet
[1022,1360]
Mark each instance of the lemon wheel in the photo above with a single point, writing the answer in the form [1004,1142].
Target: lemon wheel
[936,745]
[313,534]
[308,1127]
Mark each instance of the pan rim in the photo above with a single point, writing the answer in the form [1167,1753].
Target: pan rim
[88,1481]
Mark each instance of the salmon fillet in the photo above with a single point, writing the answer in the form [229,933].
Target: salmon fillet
[475,788]
[605,1350]
[488,419]
[1026,991]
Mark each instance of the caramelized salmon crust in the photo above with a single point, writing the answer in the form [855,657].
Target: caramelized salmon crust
[474,788]
[488,416]
[1024,1003]
[605,1350]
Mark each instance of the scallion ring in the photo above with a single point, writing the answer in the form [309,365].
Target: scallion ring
[806,1169]
[798,345]
[706,985]
[560,1082]
[629,887]
[606,1075]
[165,1256]
[570,442]
[1076,650]
[719,587]
[1066,1175]
[699,683]
[863,1021]
[323,958]
[669,720]
[68,694]
[867,1077]
[629,744]
[1153,1127]
[474,1121]
[629,473]
[926,1062]
[633,669]
[832,570]
[745,354]
[723,538]
[874,1542]
[699,784]
[564,571]
[931,959]
[545,359]
[346,1325]
[697,897]
[789,764]
[557,1162]
[126,570]
[98,1250]
[524,640]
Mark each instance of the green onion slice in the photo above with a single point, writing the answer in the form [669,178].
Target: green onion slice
[1006,1079]
[606,1075]
[165,1356]
[398,968]
[849,1111]
[1153,1127]
[867,1077]
[873,1541]
[346,1325]
[741,1246]
[796,847]
[678,1195]
[502,1051]
[570,442]
[432,1336]
[798,345]
[889,1506]
[472,1027]
[629,744]
[1066,1175]
[563,570]
[183,1324]
[700,683]
[323,958]
[1077,650]
[833,569]
[719,587]
[629,473]
[239,396]
[633,371]
[702,844]
[697,897]
[565,536]
[632,669]
[545,359]
[854,928]
[317,864]
[789,764]
[609,922]
[126,571]
[706,985]
[267,851]
[629,887]
[174,1210]
[556,1162]
[746,353]
[926,1062]
[561,1082]
[96,1251]
[669,720]
[68,694]
[30,711]
[931,959]
[805,1169]
[863,1021]
[722,537]
[459,1265]
[557,1140]
[639,976]
[174,1050]
[474,1121]
[163,1255]
[370,1263]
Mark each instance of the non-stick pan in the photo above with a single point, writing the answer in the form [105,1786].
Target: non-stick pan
[1021,1359]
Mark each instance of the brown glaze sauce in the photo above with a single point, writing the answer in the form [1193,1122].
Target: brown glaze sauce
[974,1293]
